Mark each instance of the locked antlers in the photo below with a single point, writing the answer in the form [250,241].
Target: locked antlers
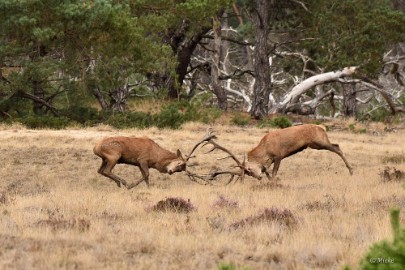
[240,174]
[208,137]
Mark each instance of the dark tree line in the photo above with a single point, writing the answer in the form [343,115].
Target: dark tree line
[253,55]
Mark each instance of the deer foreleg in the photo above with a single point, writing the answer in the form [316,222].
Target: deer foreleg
[145,176]
[275,167]
[267,173]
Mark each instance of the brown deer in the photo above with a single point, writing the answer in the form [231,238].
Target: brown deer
[277,145]
[143,153]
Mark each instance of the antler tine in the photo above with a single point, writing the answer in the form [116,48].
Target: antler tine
[233,174]
[208,136]
[219,147]
[193,177]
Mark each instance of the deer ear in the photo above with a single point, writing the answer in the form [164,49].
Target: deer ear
[179,155]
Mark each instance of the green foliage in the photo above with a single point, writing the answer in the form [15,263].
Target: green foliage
[230,266]
[352,33]
[177,113]
[130,120]
[379,115]
[240,120]
[387,254]
[172,116]
[226,266]
[81,114]
[279,122]
[43,122]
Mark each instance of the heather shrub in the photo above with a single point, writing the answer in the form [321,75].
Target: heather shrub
[223,202]
[178,205]
[390,174]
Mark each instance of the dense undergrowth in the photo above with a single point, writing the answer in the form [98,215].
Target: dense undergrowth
[172,115]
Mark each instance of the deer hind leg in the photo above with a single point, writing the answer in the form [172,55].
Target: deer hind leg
[103,164]
[336,149]
[340,153]
[106,170]
[145,176]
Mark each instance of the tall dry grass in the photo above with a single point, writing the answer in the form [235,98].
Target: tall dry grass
[57,212]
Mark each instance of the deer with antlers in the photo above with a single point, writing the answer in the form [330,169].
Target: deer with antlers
[143,153]
[277,145]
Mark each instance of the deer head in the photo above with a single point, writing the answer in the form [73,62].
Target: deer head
[253,169]
[177,165]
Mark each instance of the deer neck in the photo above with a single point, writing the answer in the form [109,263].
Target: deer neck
[164,160]
[258,155]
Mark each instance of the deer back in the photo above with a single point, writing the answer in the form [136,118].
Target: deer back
[285,142]
[133,150]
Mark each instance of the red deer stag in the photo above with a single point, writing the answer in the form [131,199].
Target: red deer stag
[277,145]
[143,153]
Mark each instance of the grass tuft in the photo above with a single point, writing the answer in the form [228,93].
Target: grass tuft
[396,159]
[55,224]
[282,217]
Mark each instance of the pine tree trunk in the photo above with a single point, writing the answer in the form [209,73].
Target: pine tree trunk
[349,100]
[262,86]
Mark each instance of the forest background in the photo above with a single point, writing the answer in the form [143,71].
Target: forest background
[164,62]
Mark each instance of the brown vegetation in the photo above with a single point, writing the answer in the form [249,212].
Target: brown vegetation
[57,212]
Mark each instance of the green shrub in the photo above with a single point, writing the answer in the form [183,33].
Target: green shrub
[45,121]
[230,266]
[240,120]
[82,114]
[226,266]
[209,115]
[279,122]
[171,117]
[379,115]
[130,120]
[387,254]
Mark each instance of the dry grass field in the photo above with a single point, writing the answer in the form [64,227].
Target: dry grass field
[56,212]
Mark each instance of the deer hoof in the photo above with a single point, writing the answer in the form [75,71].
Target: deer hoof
[130,186]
